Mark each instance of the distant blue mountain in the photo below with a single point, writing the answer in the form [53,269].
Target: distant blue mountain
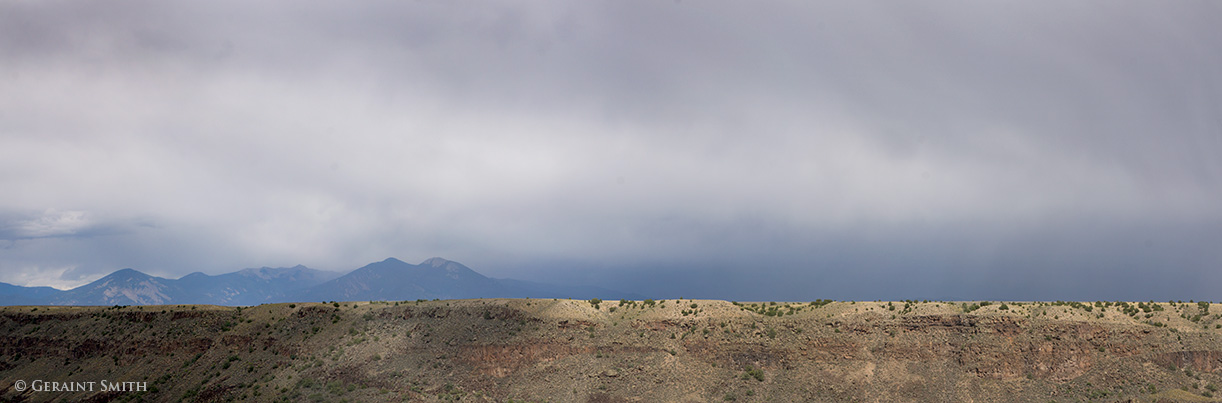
[250,286]
[390,279]
[131,287]
[18,295]
[123,287]
[394,279]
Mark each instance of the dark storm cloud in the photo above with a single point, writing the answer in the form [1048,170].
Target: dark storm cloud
[873,148]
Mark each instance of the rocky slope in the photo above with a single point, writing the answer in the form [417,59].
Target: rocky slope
[565,350]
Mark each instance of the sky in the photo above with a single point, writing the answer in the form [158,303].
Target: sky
[692,148]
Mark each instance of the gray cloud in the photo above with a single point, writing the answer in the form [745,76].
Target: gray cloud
[928,147]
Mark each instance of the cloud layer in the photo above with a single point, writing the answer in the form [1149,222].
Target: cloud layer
[927,150]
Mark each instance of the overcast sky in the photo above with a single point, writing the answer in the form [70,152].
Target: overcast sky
[695,148]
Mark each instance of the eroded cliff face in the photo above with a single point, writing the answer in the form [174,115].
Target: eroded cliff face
[562,350]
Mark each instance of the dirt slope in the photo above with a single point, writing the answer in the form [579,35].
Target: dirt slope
[651,351]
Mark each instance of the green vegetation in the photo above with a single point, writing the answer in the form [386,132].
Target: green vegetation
[752,372]
[1075,305]
[970,308]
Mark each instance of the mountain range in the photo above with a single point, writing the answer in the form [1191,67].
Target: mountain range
[390,279]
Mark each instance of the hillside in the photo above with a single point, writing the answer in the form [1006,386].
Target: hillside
[498,350]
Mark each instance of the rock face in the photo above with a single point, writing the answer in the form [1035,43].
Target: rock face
[564,350]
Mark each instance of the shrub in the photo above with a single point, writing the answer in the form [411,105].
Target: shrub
[820,302]
[752,372]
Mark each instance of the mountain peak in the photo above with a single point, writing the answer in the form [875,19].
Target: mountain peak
[393,279]
[194,276]
[128,273]
[435,262]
